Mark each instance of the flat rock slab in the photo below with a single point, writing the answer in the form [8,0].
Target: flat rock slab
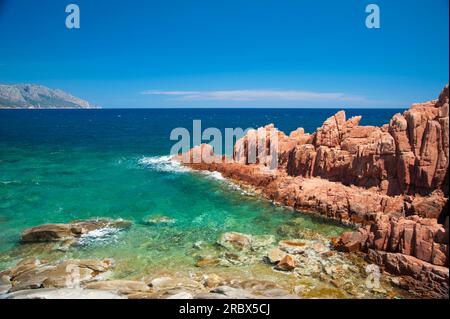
[63,293]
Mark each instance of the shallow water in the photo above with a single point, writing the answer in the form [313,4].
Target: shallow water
[65,165]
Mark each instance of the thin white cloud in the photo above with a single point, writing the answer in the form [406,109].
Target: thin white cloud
[254,95]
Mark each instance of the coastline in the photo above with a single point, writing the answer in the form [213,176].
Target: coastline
[289,261]
[400,229]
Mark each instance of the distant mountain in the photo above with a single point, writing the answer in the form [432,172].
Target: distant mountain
[31,96]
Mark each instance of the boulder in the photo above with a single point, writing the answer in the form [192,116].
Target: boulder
[287,263]
[63,232]
[275,255]
[68,273]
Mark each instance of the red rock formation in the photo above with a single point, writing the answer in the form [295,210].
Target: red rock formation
[407,156]
[393,180]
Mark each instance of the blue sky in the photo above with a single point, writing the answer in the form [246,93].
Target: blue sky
[217,53]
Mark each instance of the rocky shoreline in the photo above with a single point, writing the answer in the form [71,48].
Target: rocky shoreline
[307,261]
[392,181]
[393,192]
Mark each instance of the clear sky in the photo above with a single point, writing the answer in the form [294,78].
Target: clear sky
[229,53]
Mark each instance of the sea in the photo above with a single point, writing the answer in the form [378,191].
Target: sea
[57,166]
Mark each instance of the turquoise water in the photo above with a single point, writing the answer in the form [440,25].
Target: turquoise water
[58,166]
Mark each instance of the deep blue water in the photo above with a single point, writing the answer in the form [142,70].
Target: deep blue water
[147,130]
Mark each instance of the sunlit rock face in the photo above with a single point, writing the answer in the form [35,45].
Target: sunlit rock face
[392,179]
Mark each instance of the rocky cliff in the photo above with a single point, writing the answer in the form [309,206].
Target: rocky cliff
[32,96]
[390,180]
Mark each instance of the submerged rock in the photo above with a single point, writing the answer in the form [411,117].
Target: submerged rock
[242,242]
[205,262]
[158,219]
[235,240]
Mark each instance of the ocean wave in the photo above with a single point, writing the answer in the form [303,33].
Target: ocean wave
[228,183]
[214,175]
[166,164]
[163,164]
[99,236]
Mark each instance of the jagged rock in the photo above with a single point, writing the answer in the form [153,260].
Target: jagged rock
[275,255]
[418,275]
[393,180]
[119,286]
[423,238]
[239,241]
[287,263]
[235,240]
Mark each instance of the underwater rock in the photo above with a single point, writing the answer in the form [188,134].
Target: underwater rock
[159,219]
[205,261]
[242,242]
[235,240]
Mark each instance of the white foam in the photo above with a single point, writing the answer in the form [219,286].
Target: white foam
[167,164]
[214,175]
[230,184]
[163,164]
[101,235]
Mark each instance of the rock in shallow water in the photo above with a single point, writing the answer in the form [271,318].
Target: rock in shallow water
[159,220]
[64,232]
[239,241]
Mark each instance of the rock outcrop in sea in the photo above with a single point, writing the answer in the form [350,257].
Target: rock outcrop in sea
[392,181]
